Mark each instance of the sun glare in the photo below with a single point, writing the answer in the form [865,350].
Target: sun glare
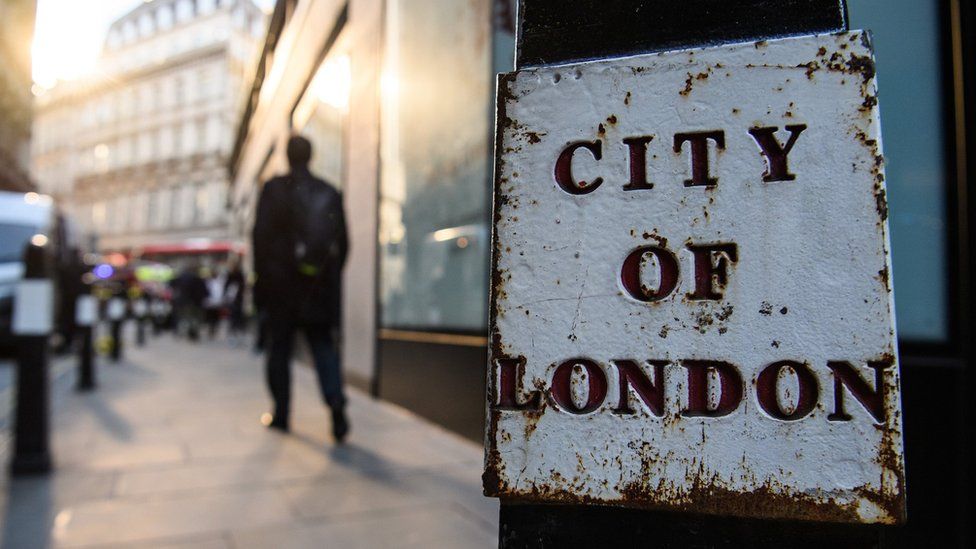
[69,35]
[55,59]
[333,82]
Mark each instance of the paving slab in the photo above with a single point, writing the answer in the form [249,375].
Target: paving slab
[169,452]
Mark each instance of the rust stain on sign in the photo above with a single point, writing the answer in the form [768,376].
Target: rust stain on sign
[691,305]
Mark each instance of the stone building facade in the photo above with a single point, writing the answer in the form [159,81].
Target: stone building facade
[136,153]
[16,33]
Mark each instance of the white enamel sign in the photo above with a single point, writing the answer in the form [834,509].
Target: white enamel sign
[86,310]
[116,308]
[691,302]
[33,308]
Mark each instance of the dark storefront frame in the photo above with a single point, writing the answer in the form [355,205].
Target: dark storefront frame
[936,376]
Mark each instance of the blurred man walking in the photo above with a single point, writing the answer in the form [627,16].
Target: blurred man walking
[189,293]
[300,246]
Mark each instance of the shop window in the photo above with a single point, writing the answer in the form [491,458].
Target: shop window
[436,93]
[321,116]
[909,50]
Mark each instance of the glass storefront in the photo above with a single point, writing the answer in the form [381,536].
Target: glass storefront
[908,38]
[322,114]
[436,89]
[435,149]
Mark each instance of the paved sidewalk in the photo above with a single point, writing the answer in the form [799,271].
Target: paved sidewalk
[169,453]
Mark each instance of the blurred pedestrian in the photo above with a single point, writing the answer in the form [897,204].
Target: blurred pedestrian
[189,293]
[300,246]
[234,289]
[214,303]
[70,273]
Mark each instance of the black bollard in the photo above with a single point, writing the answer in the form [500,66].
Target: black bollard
[86,314]
[116,316]
[141,331]
[32,324]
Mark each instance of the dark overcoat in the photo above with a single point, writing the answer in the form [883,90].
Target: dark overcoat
[300,247]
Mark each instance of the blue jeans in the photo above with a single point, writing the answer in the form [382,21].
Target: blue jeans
[324,355]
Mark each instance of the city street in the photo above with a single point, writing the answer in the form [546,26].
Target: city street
[169,452]
[594,273]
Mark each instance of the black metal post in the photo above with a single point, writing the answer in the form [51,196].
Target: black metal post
[33,318]
[559,31]
[116,331]
[85,319]
[140,307]
[141,332]
[556,31]
[86,360]
[156,315]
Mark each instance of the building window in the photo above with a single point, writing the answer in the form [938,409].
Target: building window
[433,233]
[201,135]
[154,214]
[200,216]
[190,90]
[205,7]
[184,10]
[155,96]
[188,142]
[127,103]
[146,26]
[121,207]
[139,205]
[166,142]
[178,92]
[125,151]
[165,208]
[144,148]
[165,17]
[101,154]
[176,208]
[99,216]
[213,133]
[187,206]
[204,84]
[155,150]
[129,32]
[114,39]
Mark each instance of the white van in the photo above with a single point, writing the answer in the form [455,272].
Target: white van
[21,217]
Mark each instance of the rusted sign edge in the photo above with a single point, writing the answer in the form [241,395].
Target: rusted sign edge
[491,478]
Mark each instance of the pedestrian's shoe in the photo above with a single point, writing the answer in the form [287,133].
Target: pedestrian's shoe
[340,425]
[274,422]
